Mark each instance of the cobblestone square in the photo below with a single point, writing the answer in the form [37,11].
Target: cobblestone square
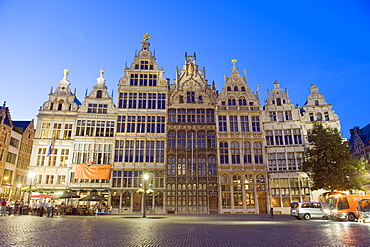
[180,230]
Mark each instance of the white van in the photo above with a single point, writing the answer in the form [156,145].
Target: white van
[307,210]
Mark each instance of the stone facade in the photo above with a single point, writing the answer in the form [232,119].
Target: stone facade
[16,140]
[205,152]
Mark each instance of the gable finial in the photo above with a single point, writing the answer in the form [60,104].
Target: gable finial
[233,61]
[65,71]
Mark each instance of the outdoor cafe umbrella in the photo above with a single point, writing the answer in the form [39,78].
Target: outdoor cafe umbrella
[93,197]
[67,194]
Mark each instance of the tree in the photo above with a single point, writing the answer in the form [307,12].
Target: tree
[329,163]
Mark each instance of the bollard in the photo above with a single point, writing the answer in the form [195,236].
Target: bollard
[272,212]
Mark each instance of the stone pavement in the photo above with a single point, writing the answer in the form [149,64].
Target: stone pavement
[179,230]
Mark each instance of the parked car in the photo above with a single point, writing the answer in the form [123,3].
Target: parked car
[307,210]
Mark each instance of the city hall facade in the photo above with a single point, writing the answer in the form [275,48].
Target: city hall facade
[205,151]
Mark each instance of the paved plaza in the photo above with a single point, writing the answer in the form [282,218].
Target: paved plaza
[179,230]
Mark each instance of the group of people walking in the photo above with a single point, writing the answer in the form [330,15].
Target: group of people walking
[11,207]
[41,208]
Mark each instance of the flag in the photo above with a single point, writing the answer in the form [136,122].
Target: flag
[51,147]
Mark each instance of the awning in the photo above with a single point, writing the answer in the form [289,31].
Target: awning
[89,188]
[41,196]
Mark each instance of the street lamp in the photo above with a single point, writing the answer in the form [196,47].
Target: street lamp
[31,175]
[145,176]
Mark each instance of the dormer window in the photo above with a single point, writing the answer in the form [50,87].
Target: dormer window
[144,64]
[99,94]
[190,97]
[278,101]
[60,105]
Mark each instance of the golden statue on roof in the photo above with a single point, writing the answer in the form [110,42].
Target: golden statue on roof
[146,37]
[65,71]
[101,73]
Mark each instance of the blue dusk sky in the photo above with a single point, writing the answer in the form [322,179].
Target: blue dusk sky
[299,43]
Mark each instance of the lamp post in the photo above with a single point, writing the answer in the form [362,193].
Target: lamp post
[145,176]
[31,175]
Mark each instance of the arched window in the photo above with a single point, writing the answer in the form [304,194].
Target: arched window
[99,94]
[225,179]
[181,137]
[243,89]
[235,153]
[228,88]
[242,101]
[247,153]
[231,102]
[236,88]
[60,105]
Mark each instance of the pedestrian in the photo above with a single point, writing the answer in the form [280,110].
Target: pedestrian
[38,208]
[48,208]
[42,208]
[52,208]
[21,204]
[10,207]
[3,207]
[34,208]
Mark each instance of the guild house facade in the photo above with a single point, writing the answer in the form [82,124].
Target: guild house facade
[204,151]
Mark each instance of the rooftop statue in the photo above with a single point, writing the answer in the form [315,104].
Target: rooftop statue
[146,37]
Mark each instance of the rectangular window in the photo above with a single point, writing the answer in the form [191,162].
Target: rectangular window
[288,115]
[122,103]
[144,65]
[14,142]
[279,137]
[244,122]
[152,100]
[57,129]
[161,101]
[11,158]
[61,179]
[64,154]
[222,124]
[121,124]
[131,122]
[67,131]
[191,116]
[288,138]
[181,116]
[150,126]
[272,116]
[45,130]
[49,179]
[41,154]
[210,114]
[160,124]
[159,157]
[52,159]
[140,124]
[233,123]
[269,137]
[297,136]
[255,123]
[132,101]
[172,116]
[139,151]
[190,96]
[134,79]
[142,101]
[149,157]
